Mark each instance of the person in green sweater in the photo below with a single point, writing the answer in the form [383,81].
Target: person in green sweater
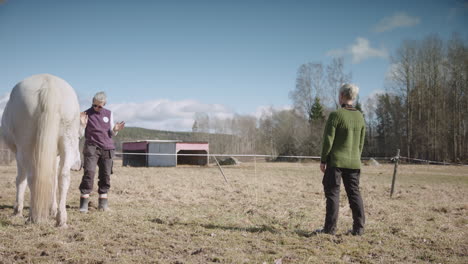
[343,140]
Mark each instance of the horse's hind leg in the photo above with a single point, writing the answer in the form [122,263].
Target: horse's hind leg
[53,209]
[21,183]
[63,184]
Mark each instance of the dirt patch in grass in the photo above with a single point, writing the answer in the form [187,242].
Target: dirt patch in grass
[266,213]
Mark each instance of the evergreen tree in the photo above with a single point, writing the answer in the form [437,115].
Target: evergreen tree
[316,111]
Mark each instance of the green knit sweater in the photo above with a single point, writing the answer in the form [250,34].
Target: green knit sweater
[343,139]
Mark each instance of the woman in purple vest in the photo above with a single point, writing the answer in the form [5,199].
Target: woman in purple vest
[98,150]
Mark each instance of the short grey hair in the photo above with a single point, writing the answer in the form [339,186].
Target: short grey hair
[100,97]
[349,91]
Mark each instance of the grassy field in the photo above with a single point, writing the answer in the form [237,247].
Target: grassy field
[265,215]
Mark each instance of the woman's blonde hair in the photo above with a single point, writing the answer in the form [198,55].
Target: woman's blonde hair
[349,91]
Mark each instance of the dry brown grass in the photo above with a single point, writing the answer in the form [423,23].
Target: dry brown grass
[189,215]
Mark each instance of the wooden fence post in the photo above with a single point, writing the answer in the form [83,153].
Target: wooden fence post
[397,158]
[221,169]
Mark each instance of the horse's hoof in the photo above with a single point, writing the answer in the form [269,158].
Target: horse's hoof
[62,225]
[53,212]
[17,214]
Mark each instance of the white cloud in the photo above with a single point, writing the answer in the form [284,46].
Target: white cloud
[156,114]
[400,19]
[362,50]
[166,114]
[359,51]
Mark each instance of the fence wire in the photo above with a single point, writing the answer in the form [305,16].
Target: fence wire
[286,156]
[391,159]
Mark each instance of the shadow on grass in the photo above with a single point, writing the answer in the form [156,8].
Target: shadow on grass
[337,239]
[3,207]
[303,233]
[5,222]
[252,229]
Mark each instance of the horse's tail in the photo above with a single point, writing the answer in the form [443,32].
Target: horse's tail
[45,151]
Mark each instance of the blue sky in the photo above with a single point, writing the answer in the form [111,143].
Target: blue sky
[162,61]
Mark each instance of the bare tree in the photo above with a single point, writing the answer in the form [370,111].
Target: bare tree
[457,65]
[290,131]
[203,122]
[245,128]
[309,85]
[265,137]
[336,77]
[402,75]
[430,80]
[371,122]
[220,126]
[431,55]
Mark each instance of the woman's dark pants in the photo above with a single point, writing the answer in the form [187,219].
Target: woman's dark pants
[331,183]
[95,156]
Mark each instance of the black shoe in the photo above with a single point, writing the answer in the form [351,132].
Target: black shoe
[356,232]
[103,206]
[84,204]
[323,231]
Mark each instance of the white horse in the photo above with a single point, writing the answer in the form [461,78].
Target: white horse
[41,125]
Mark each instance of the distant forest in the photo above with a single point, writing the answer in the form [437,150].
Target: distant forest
[423,110]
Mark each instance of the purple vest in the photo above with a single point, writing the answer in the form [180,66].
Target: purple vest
[98,130]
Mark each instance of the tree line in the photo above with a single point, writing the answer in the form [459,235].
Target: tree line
[288,132]
[423,110]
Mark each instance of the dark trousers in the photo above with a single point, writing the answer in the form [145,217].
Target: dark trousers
[331,184]
[95,156]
